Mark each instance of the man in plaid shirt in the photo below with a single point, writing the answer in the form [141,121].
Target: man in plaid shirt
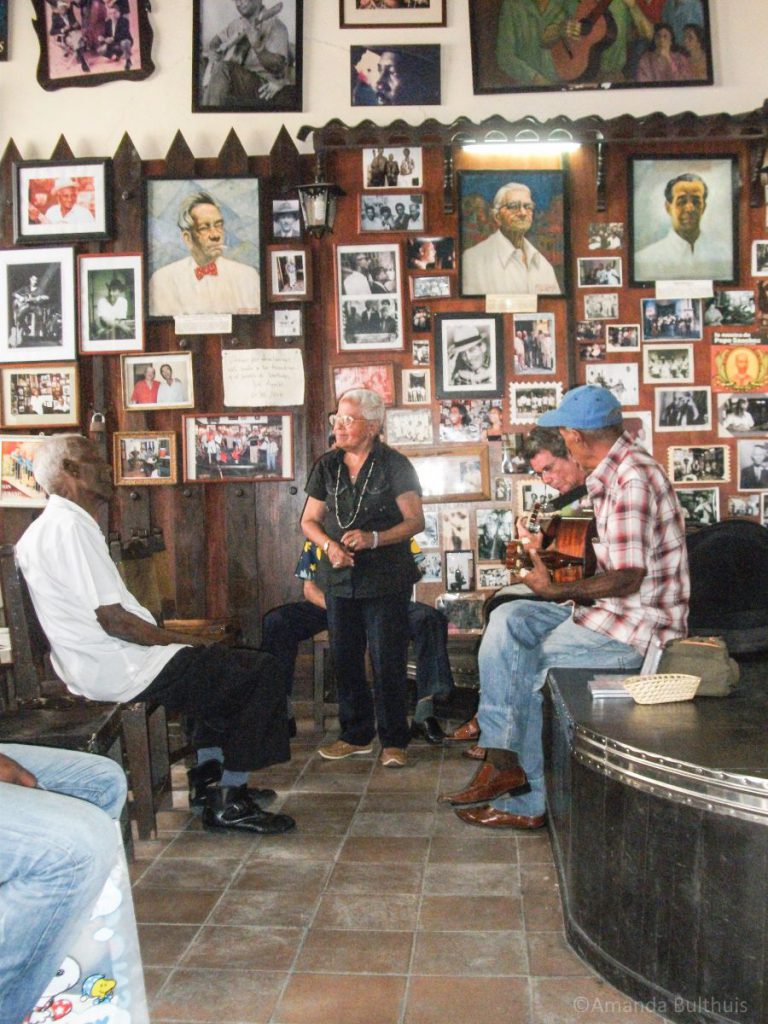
[638,597]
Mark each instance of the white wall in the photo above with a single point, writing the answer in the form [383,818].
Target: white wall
[94,119]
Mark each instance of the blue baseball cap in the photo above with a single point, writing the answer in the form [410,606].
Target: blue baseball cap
[588,407]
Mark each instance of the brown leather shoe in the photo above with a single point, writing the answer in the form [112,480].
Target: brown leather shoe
[474,753]
[489,817]
[468,732]
[488,783]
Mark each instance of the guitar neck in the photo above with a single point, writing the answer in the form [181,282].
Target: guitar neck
[597,12]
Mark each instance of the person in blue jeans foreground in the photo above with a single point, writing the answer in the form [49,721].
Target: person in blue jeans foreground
[638,596]
[58,844]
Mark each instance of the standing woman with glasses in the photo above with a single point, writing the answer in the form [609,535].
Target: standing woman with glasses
[364,506]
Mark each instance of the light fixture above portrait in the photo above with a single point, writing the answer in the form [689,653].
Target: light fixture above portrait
[318,202]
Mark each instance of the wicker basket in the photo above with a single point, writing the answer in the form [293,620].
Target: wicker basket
[662,688]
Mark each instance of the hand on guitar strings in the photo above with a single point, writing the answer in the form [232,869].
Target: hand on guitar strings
[538,578]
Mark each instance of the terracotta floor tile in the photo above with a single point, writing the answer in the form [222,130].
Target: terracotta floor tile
[376,878]
[372,952]
[154,979]
[385,850]
[217,996]
[361,913]
[480,913]
[162,945]
[189,873]
[265,909]
[148,849]
[416,823]
[296,845]
[534,847]
[256,949]
[469,847]
[341,999]
[351,766]
[173,821]
[550,955]
[539,879]
[166,906]
[299,875]
[227,845]
[471,879]
[337,783]
[451,1000]
[586,1001]
[404,780]
[461,953]
[542,911]
[397,803]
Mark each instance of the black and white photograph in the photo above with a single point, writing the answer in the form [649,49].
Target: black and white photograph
[432,286]
[420,351]
[533,492]
[760,258]
[592,351]
[158,380]
[513,458]
[421,319]
[416,388]
[601,235]
[455,529]
[287,323]
[289,269]
[690,464]
[534,343]
[459,571]
[431,252]
[599,272]
[111,303]
[733,307]
[671,319]
[745,505]
[408,426]
[469,420]
[468,355]
[700,505]
[502,489]
[457,473]
[286,219]
[40,396]
[429,537]
[393,75]
[393,167]
[61,201]
[495,529]
[431,568]
[247,56]
[764,509]
[37,305]
[689,408]
[369,297]
[639,425]
[238,448]
[590,340]
[666,363]
[601,306]
[621,379]
[492,577]
[622,337]
[530,400]
[742,415]
[394,212]
[753,465]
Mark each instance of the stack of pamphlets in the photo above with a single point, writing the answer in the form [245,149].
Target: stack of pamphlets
[608,686]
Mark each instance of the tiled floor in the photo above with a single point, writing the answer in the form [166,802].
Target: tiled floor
[381,908]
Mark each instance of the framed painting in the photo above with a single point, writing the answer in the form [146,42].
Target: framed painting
[37,305]
[144,458]
[189,223]
[393,212]
[392,14]
[529,204]
[230,74]
[290,273]
[111,303]
[393,75]
[469,357]
[158,380]
[40,396]
[61,200]
[395,168]
[452,473]
[369,297]
[739,368]
[90,44]
[378,377]
[683,217]
[508,55]
[18,487]
[226,448]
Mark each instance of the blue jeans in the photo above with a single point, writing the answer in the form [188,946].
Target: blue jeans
[57,848]
[524,639]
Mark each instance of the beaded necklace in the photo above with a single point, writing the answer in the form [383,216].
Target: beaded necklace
[346,526]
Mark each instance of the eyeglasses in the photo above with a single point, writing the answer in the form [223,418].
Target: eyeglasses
[342,421]
[207,229]
[516,207]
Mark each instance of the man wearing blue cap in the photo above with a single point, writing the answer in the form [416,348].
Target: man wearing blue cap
[638,597]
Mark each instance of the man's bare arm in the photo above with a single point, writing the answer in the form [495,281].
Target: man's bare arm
[619,583]
[118,622]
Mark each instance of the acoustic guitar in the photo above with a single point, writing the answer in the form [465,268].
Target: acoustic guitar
[579,58]
[568,554]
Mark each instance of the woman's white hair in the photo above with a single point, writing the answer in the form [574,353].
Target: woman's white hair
[371,404]
[48,465]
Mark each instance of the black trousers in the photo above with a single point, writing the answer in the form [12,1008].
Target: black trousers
[233,699]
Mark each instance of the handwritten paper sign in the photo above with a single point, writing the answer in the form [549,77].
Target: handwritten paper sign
[263,376]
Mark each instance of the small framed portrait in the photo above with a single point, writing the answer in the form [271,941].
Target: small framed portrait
[40,396]
[753,465]
[690,464]
[189,224]
[429,537]
[532,399]
[145,458]
[760,258]
[288,323]
[290,278]
[432,286]
[671,319]
[430,252]
[683,409]
[700,505]
[286,219]
[408,426]
[528,203]
[85,45]
[502,489]
[158,380]
[622,337]
[378,377]
[37,305]
[742,415]
[455,529]
[599,272]
[393,14]
[431,568]
[459,571]
[416,388]
[59,201]
[513,457]
[492,577]
[392,75]
[453,473]
[683,218]
[621,379]
[420,352]
[18,487]
[470,420]
[111,303]
[421,319]
[369,293]
[533,492]
[227,447]
[229,73]
[601,306]
[605,235]
[393,167]
[730,307]
[639,426]
[592,351]
[745,505]
[495,529]
[739,368]
[666,363]
[469,356]
[534,343]
[392,212]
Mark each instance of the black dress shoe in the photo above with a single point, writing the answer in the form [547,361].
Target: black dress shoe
[429,730]
[234,810]
[207,774]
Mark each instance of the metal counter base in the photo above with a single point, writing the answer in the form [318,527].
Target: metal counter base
[659,823]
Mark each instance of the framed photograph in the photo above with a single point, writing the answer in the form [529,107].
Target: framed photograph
[683,218]
[667,364]
[742,415]
[739,368]
[639,426]
[601,306]
[469,357]
[158,380]
[286,219]
[605,236]
[187,271]
[599,272]
[378,377]
[434,286]
[4,30]
[393,14]
[760,258]
[455,529]
[495,528]
[683,409]
[689,464]
[416,387]
[430,252]
[431,568]
[622,337]
[470,420]
[40,396]
[753,465]
[393,168]
[742,505]
[508,56]
[464,611]
[59,201]
[421,319]
[492,577]
[671,319]
[530,203]
[369,291]
[18,487]
[459,570]
[89,45]
[532,399]
[37,305]
[408,426]
[228,74]
[532,492]
[287,323]
[290,277]
[111,303]
[458,473]
[621,379]
[392,212]
[420,352]
[502,489]
[429,536]
[220,448]
[393,75]
[700,505]
[534,342]
[144,458]
[730,307]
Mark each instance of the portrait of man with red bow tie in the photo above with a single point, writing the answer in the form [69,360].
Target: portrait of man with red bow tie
[203,281]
